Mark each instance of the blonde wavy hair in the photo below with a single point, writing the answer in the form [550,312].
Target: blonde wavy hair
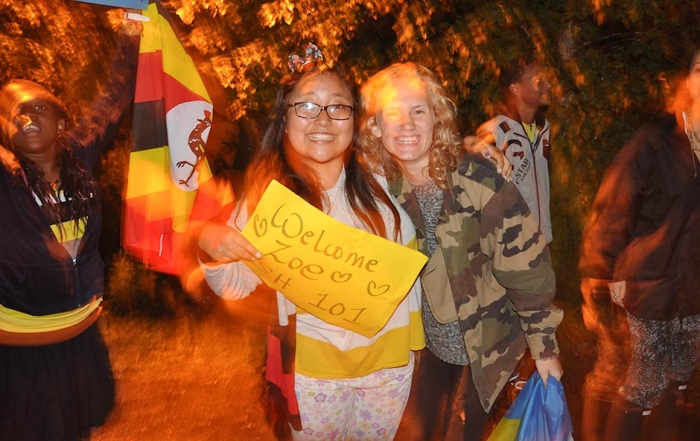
[446,151]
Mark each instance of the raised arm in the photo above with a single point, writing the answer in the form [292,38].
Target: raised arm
[95,130]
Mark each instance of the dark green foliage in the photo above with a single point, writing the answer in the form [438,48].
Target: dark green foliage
[611,62]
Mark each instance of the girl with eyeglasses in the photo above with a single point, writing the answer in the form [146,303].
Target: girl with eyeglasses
[338,384]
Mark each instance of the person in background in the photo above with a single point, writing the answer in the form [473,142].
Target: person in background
[523,134]
[640,255]
[346,386]
[488,285]
[56,379]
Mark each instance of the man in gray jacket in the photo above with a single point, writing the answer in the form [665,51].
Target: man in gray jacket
[522,133]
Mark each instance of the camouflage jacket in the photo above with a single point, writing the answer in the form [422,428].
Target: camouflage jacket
[492,272]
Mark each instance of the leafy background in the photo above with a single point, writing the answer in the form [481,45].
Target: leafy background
[613,64]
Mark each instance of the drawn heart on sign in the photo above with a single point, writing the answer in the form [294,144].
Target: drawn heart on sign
[376,291]
[339,277]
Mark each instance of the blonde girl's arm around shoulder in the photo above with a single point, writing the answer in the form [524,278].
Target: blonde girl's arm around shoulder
[485,147]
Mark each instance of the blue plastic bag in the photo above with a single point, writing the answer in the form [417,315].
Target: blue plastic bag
[538,414]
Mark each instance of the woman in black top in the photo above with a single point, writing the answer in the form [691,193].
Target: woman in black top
[56,380]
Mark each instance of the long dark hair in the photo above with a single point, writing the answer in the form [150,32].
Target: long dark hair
[270,162]
[75,182]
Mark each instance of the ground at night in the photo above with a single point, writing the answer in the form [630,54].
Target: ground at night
[201,378]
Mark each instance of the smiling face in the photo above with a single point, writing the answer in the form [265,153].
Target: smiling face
[32,120]
[405,122]
[319,143]
[35,127]
[533,89]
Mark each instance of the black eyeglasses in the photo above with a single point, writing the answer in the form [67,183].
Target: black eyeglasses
[312,110]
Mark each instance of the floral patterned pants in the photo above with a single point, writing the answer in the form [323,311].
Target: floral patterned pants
[364,408]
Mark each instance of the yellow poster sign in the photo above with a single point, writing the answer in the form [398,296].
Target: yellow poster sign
[340,274]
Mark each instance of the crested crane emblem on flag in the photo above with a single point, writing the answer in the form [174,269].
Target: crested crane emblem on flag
[188,137]
[170,184]
[196,142]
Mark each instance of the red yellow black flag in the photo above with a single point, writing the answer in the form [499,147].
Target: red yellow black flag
[170,184]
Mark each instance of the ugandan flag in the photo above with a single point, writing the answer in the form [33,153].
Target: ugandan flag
[170,184]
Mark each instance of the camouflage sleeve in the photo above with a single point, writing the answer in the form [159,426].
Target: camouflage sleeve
[522,264]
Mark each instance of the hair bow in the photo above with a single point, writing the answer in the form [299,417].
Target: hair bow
[312,54]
